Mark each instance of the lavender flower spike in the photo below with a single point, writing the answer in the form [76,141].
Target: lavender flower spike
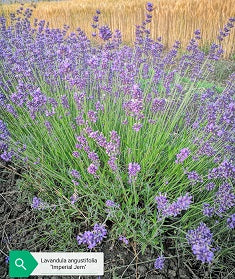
[231,221]
[92,238]
[159,263]
[133,169]
[183,155]
[149,7]
[37,203]
[201,239]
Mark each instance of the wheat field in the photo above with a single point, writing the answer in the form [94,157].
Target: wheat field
[172,19]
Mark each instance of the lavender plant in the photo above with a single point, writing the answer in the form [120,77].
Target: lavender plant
[98,122]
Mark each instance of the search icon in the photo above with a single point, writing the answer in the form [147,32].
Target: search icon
[20,263]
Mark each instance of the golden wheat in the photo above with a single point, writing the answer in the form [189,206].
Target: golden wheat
[172,19]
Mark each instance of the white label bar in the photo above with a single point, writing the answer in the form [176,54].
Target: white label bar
[62,263]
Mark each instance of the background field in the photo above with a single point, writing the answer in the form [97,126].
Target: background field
[172,19]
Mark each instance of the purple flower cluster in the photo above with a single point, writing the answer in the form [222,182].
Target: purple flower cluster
[110,203]
[183,155]
[5,153]
[113,150]
[92,169]
[158,105]
[231,221]
[95,23]
[37,103]
[210,186]
[194,177]
[225,170]
[159,263]
[208,210]
[149,7]
[133,170]
[167,209]
[74,198]
[200,240]
[223,201]
[93,156]
[105,33]
[123,239]
[94,237]
[134,107]
[75,174]
[37,203]
[4,133]
[92,115]
[137,126]
[227,28]
[224,198]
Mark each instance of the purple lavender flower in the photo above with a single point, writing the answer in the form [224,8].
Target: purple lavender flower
[65,102]
[92,238]
[79,120]
[7,156]
[137,126]
[207,210]
[225,198]
[37,203]
[231,221]
[201,239]
[75,182]
[87,238]
[82,140]
[110,203]
[194,177]
[203,253]
[201,235]
[162,201]
[184,202]
[74,198]
[92,115]
[3,146]
[100,232]
[93,156]
[159,263]
[133,169]
[183,155]
[105,33]
[75,174]
[158,105]
[112,163]
[210,186]
[225,170]
[175,208]
[99,106]
[92,169]
[124,239]
[76,154]
[149,7]
[37,161]
[48,126]
[95,19]
[7,259]
[134,107]
[4,133]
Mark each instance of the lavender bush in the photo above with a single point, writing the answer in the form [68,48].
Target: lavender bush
[134,135]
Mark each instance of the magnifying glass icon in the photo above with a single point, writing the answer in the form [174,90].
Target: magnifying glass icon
[20,263]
